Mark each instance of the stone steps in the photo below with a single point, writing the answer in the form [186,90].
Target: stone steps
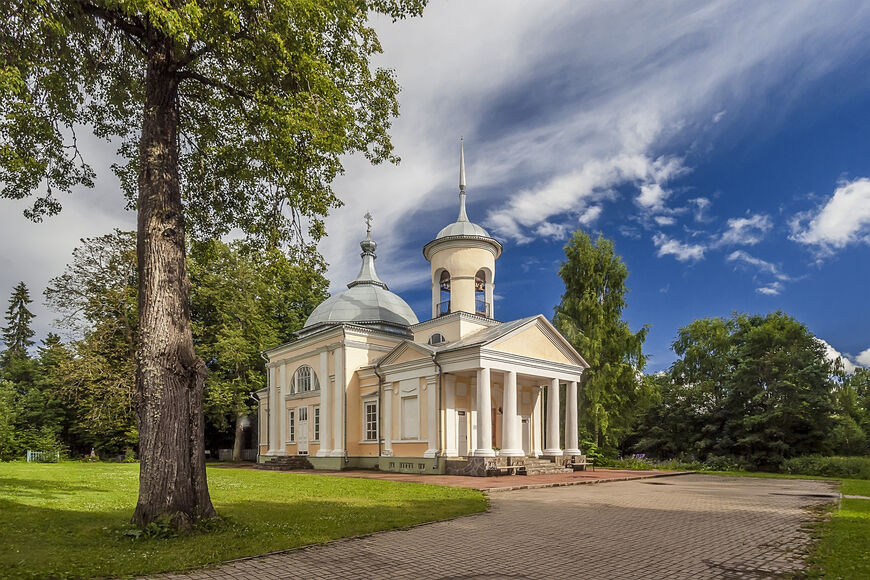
[288,463]
[540,466]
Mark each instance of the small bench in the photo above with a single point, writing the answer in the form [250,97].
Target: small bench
[581,464]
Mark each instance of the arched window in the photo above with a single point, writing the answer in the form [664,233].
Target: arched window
[304,380]
[437,338]
[480,304]
[444,285]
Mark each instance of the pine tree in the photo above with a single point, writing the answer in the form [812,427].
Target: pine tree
[18,334]
[590,316]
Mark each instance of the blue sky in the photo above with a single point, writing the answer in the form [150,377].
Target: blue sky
[722,146]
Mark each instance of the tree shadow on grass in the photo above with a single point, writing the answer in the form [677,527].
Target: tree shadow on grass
[86,543]
[47,489]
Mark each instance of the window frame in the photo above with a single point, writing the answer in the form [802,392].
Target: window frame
[369,422]
[316,414]
[304,380]
[291,425]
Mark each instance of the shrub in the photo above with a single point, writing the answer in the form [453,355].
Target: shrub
[717,463]
[848,467]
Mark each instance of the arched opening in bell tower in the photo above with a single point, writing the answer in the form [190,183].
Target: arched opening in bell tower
[481,304]
[444,303]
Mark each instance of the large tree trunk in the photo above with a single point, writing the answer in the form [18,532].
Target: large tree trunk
[240,430]
[170,377]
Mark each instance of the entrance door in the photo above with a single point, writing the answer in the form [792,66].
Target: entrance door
[527,435]
[462,433]
[302,437]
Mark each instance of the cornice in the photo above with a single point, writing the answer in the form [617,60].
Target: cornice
[447,242]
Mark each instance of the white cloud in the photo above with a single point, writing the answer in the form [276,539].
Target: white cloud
[746,231]
[833,354]
[864,358]
[702,204]
[551,230]
[718,116]
[762,265]
[590,215]
[665,220]
[682,252]
[652,196]
[616,89]
[772,289]
[844,219]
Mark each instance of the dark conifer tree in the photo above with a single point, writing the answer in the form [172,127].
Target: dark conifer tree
[18,335]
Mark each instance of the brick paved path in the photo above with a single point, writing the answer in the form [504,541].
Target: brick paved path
[690,526]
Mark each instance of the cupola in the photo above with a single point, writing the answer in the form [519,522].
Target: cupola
[462,258]
[367,300]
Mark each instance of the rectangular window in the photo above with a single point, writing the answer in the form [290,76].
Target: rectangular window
[410,418]
[317,423]
[303,413]
[371,420]
[291,426]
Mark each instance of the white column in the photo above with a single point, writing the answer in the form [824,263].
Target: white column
[325,398]
[387,415]
[472,404]
[432,416]
[553,419]
[484,416]
[450,414]
[511,432]
[274,418]
[572,443]
[338,406]
[538,419]
[282,409]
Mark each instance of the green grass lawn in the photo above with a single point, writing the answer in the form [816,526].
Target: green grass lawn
[67,520]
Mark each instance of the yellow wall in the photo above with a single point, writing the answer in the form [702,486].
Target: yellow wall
[534,343]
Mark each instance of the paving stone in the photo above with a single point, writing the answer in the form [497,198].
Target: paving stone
[694,526]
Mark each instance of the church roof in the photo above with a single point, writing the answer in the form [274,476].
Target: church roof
[367,299]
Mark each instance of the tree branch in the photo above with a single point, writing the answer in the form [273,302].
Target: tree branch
[135,30]
[193,75]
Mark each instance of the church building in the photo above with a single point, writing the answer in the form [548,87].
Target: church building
[367,385]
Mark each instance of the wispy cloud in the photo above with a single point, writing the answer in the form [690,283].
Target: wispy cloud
[682,252]
[702,204]
[842,220]
[590,215]
[745,231]
[551,230]
[762,265]
[772,289]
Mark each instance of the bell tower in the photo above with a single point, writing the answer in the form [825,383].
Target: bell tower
[462,258]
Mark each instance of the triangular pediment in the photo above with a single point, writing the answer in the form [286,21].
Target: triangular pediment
[538,339]
[405,351]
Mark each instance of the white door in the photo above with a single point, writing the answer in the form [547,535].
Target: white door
[302,430]
[527,435]
[461,433]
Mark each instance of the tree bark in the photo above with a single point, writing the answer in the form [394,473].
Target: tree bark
[240,430]
[170,377]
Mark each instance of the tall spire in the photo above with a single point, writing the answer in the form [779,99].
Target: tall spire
[367,274]
[462,216]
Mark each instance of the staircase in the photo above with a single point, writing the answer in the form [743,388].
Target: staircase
[541,466]
[287,463]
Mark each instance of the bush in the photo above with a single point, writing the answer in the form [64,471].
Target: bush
[716,463]
[848,467]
